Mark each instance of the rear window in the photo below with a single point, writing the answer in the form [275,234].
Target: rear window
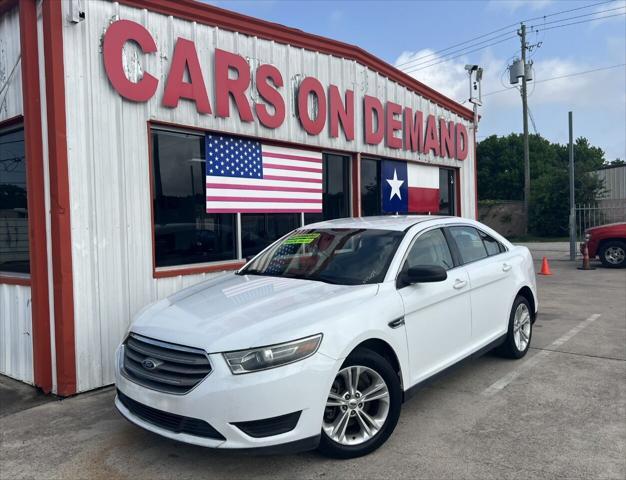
[492,246]
[469,243]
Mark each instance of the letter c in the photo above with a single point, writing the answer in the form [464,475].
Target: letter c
[115,38]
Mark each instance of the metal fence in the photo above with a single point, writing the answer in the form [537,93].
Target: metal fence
[599,213]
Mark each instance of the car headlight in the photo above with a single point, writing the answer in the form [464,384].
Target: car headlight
[262,358]
[587,237]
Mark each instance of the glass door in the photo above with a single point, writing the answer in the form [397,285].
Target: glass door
[447,191]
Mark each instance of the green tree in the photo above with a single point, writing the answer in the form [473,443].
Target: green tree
[501,177]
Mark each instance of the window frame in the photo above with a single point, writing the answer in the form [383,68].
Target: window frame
[8,277]
[443,228]
[240,261]
[457,252]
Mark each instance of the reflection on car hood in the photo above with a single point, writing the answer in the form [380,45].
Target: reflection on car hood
[240,311]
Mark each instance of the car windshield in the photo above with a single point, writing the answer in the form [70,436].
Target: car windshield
[346,256]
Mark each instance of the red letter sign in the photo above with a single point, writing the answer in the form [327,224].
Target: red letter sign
[393,125]
[115,37]
[461,142]
[446,135]
[186,58]
[413,130]
[432,138]
[271,95]
[311,85]
[341,113]
[226,86]
[372,105]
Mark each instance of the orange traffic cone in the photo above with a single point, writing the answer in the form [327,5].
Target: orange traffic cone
[545,267]
[586,264]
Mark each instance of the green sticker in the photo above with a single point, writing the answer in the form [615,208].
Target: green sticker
[303,239]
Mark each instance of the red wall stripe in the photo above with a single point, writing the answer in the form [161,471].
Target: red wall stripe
[62,277]
[42,364]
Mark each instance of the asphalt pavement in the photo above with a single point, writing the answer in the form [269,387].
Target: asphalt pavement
[558,413]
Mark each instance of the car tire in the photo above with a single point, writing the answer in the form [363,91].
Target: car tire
[613,254]
[520,330]
[370,370]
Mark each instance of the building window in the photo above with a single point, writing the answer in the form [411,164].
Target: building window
[14,249]
[370,187]
[258,230]
[336,189]
[183,232]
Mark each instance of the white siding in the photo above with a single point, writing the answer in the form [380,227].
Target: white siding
[109,165]
[16,349]
[16,352]
[10,66]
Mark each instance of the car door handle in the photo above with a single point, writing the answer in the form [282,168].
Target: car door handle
[506,267]
[459,284]
[398,322]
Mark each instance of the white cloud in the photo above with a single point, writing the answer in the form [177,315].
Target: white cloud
[599,97]
[513,5]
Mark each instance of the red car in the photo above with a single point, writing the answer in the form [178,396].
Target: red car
[607,242]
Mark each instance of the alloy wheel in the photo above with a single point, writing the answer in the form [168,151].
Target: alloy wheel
[357,406]
[614,255]
[521,327]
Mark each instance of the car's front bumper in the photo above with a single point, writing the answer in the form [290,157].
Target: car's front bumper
[223,399]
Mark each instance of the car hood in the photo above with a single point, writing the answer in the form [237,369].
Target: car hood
[608,226]
[233,312]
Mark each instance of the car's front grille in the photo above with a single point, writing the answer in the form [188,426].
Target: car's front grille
[169,421]
[162,366]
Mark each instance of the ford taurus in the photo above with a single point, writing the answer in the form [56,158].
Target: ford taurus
[318,340]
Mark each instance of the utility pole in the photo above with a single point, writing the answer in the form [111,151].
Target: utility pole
[522,34]
[572,205]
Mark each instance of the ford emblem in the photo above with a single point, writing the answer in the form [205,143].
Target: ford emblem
[150,363]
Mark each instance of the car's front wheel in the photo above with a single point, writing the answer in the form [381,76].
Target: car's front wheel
[363,406]
[613,254]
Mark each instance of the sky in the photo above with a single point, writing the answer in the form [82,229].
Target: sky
[415,30]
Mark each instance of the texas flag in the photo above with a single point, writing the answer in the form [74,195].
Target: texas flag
[409,187]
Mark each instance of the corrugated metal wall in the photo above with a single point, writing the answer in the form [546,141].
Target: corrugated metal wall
[16,355]
[109,166]
[10,67]
[16,347]
[614,183]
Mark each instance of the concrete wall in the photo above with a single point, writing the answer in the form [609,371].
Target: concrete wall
[505,217]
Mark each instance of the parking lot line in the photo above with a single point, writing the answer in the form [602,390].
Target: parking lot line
[535,359]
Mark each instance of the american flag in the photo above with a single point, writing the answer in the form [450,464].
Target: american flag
[246,176]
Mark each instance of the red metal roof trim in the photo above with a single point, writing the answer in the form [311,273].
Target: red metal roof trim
[192,10]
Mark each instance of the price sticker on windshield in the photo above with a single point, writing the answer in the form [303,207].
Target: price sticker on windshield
[302,239]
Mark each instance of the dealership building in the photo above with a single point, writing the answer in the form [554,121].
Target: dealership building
[114,118]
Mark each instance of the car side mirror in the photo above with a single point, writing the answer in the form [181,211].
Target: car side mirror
[423,274]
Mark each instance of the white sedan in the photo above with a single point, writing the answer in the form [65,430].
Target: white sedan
[318,340]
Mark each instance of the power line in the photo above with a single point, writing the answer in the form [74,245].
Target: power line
[422,62]
[471,40]
[457,56]
[579,16]
[581,21]
[559,77]
[561,12]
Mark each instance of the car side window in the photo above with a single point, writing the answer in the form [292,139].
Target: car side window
[431,248]
[491,244]
[469,243]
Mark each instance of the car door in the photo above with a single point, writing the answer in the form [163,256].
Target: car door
[491,278]
[437,315]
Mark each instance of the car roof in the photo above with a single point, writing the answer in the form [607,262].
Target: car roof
[383,222]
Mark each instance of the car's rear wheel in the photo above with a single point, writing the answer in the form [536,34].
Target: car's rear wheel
[613,254]
[520,330]
[363,406]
